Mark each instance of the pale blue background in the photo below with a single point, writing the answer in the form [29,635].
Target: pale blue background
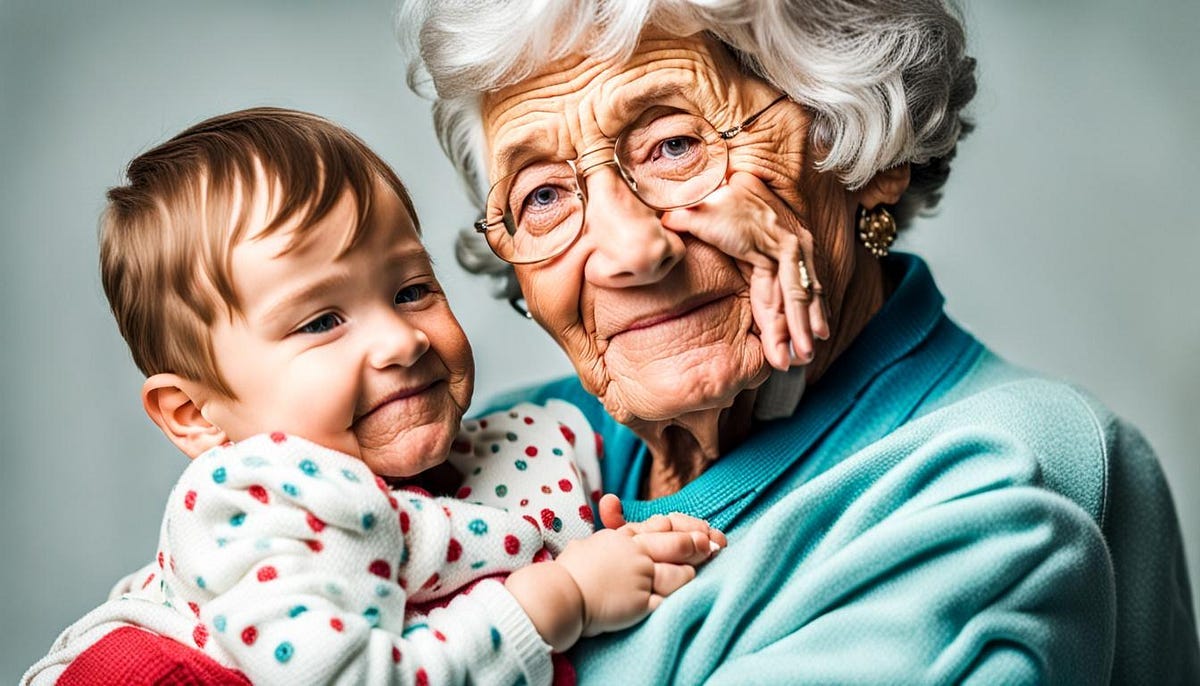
[1068,240]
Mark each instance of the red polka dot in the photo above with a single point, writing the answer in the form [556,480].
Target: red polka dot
[200,635]
[585,513]
[194,608]
[567,434]
[599,447]
[267,573]
[160,559]
[395,654]
[454,551]
[463,492]
[382,484]
[439,635]
[446,511]
[336,624]
[393,502]
[380,568]
[531,451]
[258,493]
[461,446]
[403,583]
[596,496]
[512,545]
[404,522]
[565,485]
[483,423]
[249,635]
[524,502]
[189,500]
[546,489]
[421,676]
[313,523]
[431,581]
[171,562]
[531,520]
[416,489]
[148,580]
[547,517]
[278,436]
[529,420]
[541,555]
[314,545]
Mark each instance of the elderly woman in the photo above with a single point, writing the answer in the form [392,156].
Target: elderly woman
[906,507]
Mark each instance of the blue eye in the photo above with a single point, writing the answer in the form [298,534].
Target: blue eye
[543,196]
[326,322]
[675,148]
[413,293]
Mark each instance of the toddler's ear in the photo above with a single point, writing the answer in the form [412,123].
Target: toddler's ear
[169,401]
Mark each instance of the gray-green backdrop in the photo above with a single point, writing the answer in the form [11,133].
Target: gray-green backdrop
[1067,241]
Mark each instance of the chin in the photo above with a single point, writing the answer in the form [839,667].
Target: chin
[668,388]
[412,450]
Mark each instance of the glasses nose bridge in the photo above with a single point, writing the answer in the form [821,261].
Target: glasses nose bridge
[592,160]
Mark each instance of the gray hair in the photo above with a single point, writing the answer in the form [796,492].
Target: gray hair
[886,80]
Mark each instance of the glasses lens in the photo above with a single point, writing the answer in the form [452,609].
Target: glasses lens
[673,159]
[534,213]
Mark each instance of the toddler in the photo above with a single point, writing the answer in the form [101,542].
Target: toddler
[266,270]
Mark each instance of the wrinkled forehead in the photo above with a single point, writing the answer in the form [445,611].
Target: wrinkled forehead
[578,102]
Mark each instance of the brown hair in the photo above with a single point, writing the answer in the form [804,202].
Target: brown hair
[167,237]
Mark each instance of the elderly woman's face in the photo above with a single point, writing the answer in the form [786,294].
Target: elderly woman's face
[657,323]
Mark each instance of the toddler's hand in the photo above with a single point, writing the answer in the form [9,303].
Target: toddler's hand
[745,220]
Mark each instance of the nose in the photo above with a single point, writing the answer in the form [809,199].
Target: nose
[632,247]
[394,341]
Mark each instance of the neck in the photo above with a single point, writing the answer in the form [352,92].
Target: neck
[865,292]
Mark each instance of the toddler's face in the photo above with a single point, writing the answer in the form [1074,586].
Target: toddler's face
[360,353]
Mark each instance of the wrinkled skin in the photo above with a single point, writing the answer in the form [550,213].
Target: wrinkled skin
[657,323]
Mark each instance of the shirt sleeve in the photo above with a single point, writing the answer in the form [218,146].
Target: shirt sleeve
[298,564]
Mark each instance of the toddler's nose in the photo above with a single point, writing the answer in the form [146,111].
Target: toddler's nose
[397,343]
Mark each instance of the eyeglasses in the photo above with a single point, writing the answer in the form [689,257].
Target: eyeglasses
[669,158]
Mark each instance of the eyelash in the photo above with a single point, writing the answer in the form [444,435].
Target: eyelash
[329,321]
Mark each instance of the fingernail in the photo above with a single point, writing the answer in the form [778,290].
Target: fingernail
[713,548]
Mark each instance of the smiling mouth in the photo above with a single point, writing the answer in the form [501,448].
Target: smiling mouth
[397,396]
[684,310]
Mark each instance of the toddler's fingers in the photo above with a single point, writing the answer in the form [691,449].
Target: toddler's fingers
[669,578]
[612,515]
[677,547]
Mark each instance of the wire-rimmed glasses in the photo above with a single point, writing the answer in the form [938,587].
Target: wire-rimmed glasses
[669,158]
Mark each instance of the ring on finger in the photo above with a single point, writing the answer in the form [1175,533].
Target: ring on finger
[805,279]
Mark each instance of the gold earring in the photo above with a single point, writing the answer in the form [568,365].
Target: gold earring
[876,229]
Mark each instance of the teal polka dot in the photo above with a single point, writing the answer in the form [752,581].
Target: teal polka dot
[383,590]
[219,623]
[291,490]
[222,542]
[501,490]
[411,628]
[310,468]
[262,544]
[520,464]
[495,447]
[200,583]
[495,638]
[237,519]
[350,476]
[372,616]
[284,651]
[557,451]
[510,436]
[333,589]
[556,524]
[254,461]
[368,520]
[477,527]
[218,475]
[477,565]
[297,611]
[415,503]
[404,555]
[477,470]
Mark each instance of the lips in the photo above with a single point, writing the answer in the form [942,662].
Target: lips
[654,317]
[397,395]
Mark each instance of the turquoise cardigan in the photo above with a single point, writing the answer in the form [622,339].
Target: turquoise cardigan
[929,514]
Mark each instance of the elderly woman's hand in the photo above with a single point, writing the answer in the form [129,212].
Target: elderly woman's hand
[745,220]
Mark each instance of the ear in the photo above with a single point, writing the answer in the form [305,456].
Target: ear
[174,404]
[885,188]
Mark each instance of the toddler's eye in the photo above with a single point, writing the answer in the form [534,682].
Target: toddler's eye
[412,293]
[325,322]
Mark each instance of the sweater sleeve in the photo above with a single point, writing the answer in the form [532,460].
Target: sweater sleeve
[298,564]
[934,556]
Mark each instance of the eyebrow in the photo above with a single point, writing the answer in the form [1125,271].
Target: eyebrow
[532,146]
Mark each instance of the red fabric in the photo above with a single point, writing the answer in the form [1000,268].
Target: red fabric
[132,656]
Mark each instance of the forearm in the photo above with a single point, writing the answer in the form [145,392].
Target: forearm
[550,597]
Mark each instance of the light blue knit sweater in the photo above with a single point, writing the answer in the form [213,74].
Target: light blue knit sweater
[929,514]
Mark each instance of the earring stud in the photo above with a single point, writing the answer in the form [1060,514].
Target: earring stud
[876,229]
